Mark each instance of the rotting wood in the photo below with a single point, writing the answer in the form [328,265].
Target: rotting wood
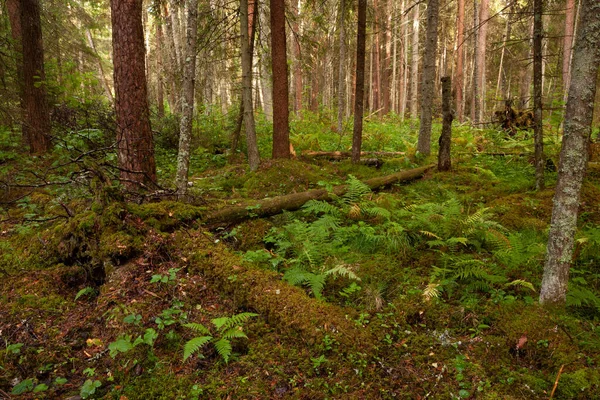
[348,154]
[289,202]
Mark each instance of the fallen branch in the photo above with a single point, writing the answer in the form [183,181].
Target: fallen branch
[336,155]
[290,202]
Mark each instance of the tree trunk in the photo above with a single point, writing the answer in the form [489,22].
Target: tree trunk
[460,74]
[14,15]
[298,85]
[414,68]
[484,13]
[359,94]
[404,78]
[265,76]
[428,81]
[500,86]
[281,108]
[187,98]
[537,94]
[160,93]
[37,111]
[476,108]
[341,95]
[247,39]
[135,148]
[173,62]
[101,74]
[290,202]
[386,72]
[525,89]
[573,156]
[568,45]
[444,162]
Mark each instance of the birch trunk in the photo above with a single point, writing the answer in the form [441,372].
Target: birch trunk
[414,69]
[538,85]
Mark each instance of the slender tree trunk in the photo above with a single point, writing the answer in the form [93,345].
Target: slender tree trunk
[476,108]
[386,72]
[537,94]
[298,85]
[173,63]
[573,155]
[484,13]
[359,95]
[444,162]
[459,81]
[525,89]
[160,93]
[414,60]
[265,75]
[568,45]
[187,98]
[341,95]
[37,111]
[103,78]
[247,49]
[281,130]
[404,79]
[177,35]
[14,15]
[500,89]
[428,82]
[375,57]
[135,148]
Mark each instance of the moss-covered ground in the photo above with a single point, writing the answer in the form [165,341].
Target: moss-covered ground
[428,289]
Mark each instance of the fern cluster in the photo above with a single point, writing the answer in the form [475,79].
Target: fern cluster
[227,329]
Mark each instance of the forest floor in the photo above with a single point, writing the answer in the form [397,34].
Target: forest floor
[425,289]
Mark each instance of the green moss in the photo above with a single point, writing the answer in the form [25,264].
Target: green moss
[580,384]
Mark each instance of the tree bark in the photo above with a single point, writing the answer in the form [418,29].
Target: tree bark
[341,95]
[14,14]
[359,94]
[404,78]
[537,94]
[37,111]
[272,206]
[476,108]
[500,87]
[101,74]
[459,81]
[568,45]
[281,108]
[187,98]
[573,156]
[428,81]
[160,92]
[298,85]
[135,148]
[265,76]
[247,48]
[444,161]
[414,61]
[484,13]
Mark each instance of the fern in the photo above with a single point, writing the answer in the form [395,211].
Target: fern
[356,190]
[193,345]
[318,207]
[228,328]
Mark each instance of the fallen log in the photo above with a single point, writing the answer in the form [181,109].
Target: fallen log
[337,155]
[290,202]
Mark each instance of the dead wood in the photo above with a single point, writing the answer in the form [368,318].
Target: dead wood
[293,201]
[338,155]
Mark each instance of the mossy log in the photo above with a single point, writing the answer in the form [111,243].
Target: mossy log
[337,155]
[290,202]
[282,305]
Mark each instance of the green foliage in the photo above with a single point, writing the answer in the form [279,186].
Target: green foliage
[123,344]
[89,388]
[86,291]
[227,329]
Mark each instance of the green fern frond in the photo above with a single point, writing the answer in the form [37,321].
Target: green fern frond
[355,190]
[198,328]
[579,296]
[521,283]
[296,276]
[378,212]
[194,345]
[430,234]
[318,207]
[316,284]
[223,347]
[233,333]
[225,323]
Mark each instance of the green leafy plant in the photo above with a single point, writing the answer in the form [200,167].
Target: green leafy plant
[89,388]
[170,277]
[123,344]
[227,329]
[86,291]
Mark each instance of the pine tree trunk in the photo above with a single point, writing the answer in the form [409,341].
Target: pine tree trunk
[247,49]
[484,13]
[573,155]
[173,61]
[298,85]
[359,94]
[135,148]
[341,95]
[160,92]
[404,67]
[14,14]
[500,86]
[476,108]
[281,129]
[414,68]
[444,162]
[428,81]
[101,74]
[460,74]
[187,98]
[537,94]
[265,75]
